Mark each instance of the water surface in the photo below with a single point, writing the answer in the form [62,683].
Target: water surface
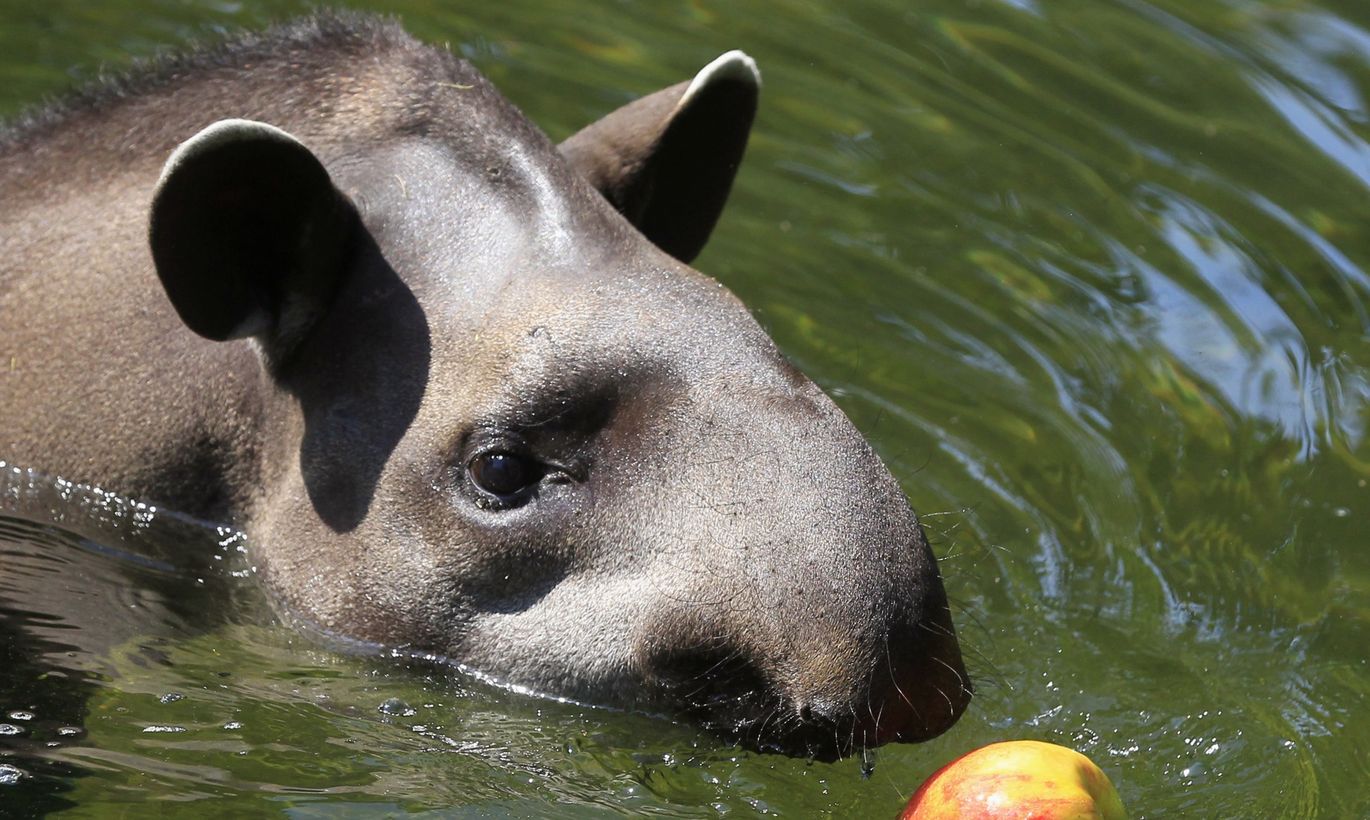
[1091,274]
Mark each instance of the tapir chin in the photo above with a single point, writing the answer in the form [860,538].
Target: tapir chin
[459,384]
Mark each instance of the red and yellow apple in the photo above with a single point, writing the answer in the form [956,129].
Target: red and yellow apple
[1019,779]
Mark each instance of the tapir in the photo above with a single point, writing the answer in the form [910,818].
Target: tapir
[460,386]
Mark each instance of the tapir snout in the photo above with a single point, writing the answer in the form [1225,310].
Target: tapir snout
[793,639]
[460,384]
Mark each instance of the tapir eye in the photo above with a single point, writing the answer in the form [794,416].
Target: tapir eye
[504,474]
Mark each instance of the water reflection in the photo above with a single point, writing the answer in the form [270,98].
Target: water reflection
[1093,276]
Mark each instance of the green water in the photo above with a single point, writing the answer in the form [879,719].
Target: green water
[1091,274]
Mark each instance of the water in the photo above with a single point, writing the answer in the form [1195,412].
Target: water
[1091,274]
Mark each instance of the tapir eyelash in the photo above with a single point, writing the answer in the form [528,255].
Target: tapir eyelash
[485,448]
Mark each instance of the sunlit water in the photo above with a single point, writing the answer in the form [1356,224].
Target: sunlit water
[1092,275]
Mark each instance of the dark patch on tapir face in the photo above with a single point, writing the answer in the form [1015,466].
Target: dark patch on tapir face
[557,435]
[354,421]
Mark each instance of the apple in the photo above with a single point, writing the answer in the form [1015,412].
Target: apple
[1017,778]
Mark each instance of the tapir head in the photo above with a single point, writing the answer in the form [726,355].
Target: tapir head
[506,423]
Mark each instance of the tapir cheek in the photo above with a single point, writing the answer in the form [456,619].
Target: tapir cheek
[490,560]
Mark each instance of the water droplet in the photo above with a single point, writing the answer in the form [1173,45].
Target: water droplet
[396,708]
[21,716]
[69,731]
[171,697]
[867,762]
[159,729]
[1195,773]
[9,775]
[10,729]
[233,724]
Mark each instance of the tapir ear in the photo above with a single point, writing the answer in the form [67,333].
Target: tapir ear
[667,161]
[248,233]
